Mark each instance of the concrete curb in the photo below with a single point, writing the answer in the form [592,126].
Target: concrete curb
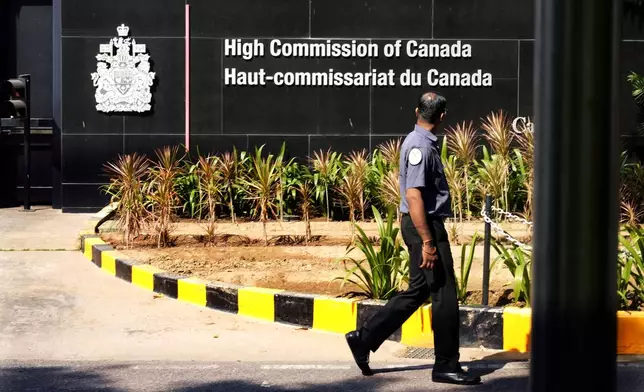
[480,327]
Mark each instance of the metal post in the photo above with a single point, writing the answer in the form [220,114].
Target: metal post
[486,251]
[576,204]
[27,142]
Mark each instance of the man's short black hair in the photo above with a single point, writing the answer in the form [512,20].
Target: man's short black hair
[431,106]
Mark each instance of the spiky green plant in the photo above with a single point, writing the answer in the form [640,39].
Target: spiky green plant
[466,268]
[631,214]
[390,191]
[187,184]
[231,168]
[382,272]
[261,184]
[282,168]
[462,141]
[350,189]
[637,90]
[327,167]
[306,192]
[358,167]
[210,186]
[518,261]
[391,152]
[127,176]
[492,178]
[497,129]
[632,188]
[630,269]
[162,195]
[525,157]
[637,84]
[455,179]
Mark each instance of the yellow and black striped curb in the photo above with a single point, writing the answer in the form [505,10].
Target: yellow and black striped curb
[488,327]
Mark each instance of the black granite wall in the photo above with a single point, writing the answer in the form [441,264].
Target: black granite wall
[501,33]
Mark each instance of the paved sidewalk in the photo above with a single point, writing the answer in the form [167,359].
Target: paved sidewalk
[42,229]
[59,306]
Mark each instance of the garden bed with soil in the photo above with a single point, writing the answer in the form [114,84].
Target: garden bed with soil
[239,255]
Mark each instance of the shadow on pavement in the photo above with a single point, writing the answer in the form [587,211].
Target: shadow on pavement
[54,378]
[481,367]
[108,378]
[513,384]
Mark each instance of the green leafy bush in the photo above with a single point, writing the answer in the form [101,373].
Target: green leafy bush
[519,263]
[630,270]
[382,272]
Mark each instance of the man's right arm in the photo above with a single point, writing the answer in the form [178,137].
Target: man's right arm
[417,213]
[418,217]
[416,180]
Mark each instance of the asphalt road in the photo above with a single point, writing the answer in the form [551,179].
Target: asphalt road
[249,377]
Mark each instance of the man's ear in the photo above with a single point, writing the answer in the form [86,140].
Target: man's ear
[416,111]
[442,116]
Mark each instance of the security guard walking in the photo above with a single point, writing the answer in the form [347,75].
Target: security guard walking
[424,206]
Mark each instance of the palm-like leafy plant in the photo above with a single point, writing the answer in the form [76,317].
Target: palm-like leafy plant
[462,142]
[455,180]
[522,182]
[390,191]
[187,183]
[306,192]
[632,190]
[525,157]
[210,186]
[391,152]
[261,183]
[381,273]
[162,195]
[358,167]
[492,177]
[282,168]
[128,174]
[230,167]
[327,167]
[497,129]
[631,214]
[498,133]
[350,189]
[525,138]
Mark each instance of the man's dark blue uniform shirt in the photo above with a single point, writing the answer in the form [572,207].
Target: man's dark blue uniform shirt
[421,167]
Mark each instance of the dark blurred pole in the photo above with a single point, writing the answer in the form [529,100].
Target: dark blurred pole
[27,142]
[573,340]
[486,251]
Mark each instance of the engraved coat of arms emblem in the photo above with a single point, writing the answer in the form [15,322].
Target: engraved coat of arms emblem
[123,79]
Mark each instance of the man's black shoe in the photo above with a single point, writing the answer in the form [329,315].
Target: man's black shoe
[460,378]
[360,352]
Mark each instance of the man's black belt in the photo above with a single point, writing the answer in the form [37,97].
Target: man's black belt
[428,216]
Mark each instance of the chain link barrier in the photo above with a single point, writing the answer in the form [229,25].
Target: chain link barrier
[499,230]
[511,217]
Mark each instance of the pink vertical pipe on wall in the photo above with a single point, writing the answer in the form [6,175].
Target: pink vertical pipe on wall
[187,71]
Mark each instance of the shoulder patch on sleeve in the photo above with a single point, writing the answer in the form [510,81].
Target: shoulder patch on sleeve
[415,156]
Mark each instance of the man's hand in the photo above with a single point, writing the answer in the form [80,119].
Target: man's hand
[430,255]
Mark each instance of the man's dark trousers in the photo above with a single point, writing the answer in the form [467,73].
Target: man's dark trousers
[439,282]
